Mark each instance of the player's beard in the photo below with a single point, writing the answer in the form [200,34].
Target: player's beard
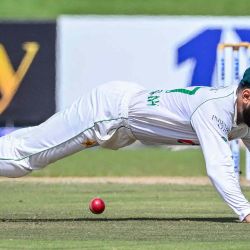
[246,116]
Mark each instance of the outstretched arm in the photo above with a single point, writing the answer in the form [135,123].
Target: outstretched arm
[212,133]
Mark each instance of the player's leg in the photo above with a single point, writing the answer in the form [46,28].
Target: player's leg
[33,148]
[8,166]
[98,119]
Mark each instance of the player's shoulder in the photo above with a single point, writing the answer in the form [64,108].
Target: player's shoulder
[218,92]
[213,100]
[211,95]
[225,90]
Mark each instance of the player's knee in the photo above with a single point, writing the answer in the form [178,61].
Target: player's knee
[13,170]
[19,172]
[211,173]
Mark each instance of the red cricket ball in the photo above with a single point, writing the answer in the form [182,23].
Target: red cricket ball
[96,206]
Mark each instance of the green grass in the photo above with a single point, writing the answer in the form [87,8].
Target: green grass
[50,9]
[56,216]
[128,162]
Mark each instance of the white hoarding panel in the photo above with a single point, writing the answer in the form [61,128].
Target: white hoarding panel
[157,52]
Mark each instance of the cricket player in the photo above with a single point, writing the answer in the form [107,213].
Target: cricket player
[117,114]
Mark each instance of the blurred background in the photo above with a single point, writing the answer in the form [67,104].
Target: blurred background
[52,51]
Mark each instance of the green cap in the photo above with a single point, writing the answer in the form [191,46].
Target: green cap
[246,78]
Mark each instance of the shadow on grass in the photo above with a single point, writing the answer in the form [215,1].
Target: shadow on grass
[139,219]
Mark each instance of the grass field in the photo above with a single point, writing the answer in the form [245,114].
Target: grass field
[40,9]
[56,216]
[128,162]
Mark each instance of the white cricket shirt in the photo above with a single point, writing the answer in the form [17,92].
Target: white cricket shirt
[198,116]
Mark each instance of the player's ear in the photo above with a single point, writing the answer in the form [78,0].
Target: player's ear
[245,95]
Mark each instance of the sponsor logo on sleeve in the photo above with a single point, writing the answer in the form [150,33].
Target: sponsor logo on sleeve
[220,124]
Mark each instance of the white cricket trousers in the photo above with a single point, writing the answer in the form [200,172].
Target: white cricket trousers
[100,118]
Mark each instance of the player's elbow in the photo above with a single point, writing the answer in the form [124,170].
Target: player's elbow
[211,176]
[219,172]
[212,171]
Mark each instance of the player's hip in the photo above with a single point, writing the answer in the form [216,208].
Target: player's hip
[110,113]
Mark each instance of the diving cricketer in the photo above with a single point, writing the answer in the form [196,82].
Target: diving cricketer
[117,114]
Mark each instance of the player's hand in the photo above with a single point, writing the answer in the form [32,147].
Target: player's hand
[247,219]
